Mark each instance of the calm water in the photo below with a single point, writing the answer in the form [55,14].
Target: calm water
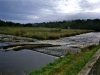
[23,61]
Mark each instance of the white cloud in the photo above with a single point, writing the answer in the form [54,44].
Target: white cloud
[94,10]
[93,1]
[70,6]
[32,17]
[46,11]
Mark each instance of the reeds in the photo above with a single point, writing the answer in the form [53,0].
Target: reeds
[41,33]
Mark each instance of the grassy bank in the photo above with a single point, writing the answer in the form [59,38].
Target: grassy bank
[70,64]
[41,33]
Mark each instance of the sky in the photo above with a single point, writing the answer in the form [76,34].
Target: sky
[36,11]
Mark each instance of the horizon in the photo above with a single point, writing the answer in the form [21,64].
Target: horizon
[50,21]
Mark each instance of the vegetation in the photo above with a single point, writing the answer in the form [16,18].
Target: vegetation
[40,32]
[70,64]
[90,24]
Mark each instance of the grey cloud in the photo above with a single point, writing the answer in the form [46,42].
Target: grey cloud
[24,11]
[85,5]
[88,15]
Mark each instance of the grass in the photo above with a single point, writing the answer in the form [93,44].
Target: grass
[41,33]
[70,64]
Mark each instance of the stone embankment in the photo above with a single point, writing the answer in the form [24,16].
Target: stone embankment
[57,47]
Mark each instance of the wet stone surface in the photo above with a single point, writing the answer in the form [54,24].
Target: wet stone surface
[67,44]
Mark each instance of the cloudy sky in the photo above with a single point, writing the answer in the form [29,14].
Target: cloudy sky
[32,11]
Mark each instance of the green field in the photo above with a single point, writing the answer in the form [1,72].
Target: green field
[70,64]
[41,33]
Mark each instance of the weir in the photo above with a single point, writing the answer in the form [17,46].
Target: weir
[58,47]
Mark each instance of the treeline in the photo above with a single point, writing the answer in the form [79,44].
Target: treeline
[93,24]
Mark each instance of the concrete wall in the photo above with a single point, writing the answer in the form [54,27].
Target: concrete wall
[93,66]
[96,68]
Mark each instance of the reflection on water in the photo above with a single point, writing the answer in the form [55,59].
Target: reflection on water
[22,62]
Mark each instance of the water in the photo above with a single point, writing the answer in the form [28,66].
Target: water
[70,44]
[23,61]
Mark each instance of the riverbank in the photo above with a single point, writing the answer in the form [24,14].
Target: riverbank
[70,64]
[40,32]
